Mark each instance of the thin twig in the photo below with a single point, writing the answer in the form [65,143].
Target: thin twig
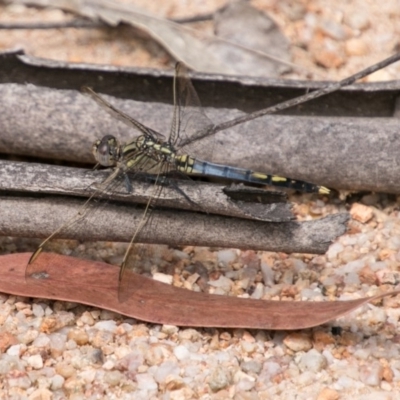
[77,23]
[196,18]
[298,100]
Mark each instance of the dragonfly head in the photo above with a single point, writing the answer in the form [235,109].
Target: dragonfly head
[107,151]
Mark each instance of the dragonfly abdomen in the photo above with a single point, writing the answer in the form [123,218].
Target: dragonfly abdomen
[191,165]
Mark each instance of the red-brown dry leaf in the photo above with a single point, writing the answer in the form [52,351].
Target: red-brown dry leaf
[95,283]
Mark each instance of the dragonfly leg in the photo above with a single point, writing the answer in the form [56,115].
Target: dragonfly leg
[104,184]
[128,184]
[174,185]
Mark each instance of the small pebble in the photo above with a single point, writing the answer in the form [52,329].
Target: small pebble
[57,343]
[86,318]
[244,382]
[101,338]
[329,56]
[19,380]
[252,366]
[75,385]
[35,361]
[79,336]
[270,369]
[332,29]
[41,394]
[219,379]
[164,278]
[88,375]
[28,337]
[358,20]
[113,378]
[313,361]
[109,365]
[322,338]
[37,310]
[181,352]
[226,257]
[107,315]
[15,350]
[248,347]
[42,340]
[157,353]
[333,251]
[146,382]
[65,370]
[268,274]
[328,394]
[298,342]
[361,212]
[356,47]
[169,329]
[222,282]
[371,374]
[387,373]
[167,369]
[106,325]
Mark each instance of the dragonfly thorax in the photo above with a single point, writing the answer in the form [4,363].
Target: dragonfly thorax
[161,151]
[107,151]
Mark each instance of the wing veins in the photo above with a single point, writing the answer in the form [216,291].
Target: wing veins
[120,115]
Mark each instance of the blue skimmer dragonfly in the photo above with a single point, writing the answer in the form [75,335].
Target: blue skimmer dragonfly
[152,153]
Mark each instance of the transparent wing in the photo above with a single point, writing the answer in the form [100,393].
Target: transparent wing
[90,211]
[189,119]
[120,115]
[136,253]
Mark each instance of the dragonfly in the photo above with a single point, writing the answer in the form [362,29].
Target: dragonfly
[152,153]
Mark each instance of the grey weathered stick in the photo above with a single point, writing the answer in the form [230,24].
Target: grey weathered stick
[36,217]
[345,153]
[33,178]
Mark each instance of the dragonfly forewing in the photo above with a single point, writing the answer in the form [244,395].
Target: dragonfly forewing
[121,116]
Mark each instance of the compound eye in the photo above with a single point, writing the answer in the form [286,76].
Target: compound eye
[105,151]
